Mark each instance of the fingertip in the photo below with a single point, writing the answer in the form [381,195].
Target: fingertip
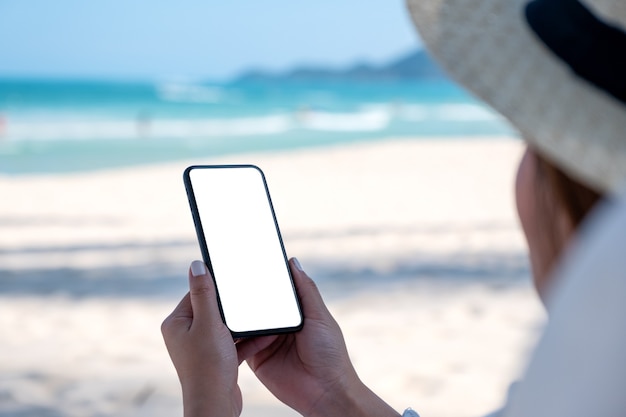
[296,264]
[200,280]
[201,286]
[297,270]
[305,286]
[198,268]
[202,292]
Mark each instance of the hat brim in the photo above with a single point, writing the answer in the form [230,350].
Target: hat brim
[488,47]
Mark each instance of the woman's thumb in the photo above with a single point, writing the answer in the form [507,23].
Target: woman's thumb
[312,303]
[203,295]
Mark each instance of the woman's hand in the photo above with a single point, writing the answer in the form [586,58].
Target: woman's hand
[202,350]
[310,371]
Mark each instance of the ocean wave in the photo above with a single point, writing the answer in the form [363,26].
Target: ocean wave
[378,117]
[465,112]
[145,127]
[458,112]
[189,93]
[361,121]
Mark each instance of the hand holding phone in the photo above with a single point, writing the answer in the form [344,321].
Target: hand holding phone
[242,246]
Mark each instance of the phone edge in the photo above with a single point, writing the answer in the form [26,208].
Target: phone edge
[207,260]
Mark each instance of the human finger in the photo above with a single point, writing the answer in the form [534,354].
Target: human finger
[203,296]
[250,347]
[313,305]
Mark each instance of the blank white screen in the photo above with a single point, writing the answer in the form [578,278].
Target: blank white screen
[248,263]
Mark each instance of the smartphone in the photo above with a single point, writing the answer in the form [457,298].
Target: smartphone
[242,247]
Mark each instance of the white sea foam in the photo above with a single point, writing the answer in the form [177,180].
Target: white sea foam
[362,121]
[464,112]
[461,112]
[157,128]
[373,117]
[71,130]
[191,93]
[243,126]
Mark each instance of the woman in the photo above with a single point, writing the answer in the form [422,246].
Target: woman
[554,68]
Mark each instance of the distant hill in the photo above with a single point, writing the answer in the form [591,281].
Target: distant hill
[416,65]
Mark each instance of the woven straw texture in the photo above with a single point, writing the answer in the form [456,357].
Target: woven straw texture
[487,46]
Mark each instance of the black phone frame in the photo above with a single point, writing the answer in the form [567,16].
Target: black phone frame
[207,259]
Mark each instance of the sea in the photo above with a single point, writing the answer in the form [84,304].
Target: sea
[57,126]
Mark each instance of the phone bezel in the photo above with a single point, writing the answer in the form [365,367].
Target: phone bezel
[207,259]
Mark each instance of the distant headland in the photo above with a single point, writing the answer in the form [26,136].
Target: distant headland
[414,65]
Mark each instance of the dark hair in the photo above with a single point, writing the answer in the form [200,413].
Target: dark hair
[577,198]
[559,190]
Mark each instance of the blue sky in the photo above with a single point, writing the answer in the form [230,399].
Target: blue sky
[193,39]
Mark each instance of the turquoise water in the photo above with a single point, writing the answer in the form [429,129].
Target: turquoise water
[69,126]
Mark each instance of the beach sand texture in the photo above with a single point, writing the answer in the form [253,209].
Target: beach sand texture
[414,244]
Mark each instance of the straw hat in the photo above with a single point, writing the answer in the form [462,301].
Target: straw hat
[555,68]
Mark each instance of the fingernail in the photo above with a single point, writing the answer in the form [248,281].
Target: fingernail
[198,268]
[296,262]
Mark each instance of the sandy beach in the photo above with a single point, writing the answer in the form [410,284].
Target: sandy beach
[414,244]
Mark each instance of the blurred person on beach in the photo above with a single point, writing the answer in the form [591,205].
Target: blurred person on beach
[555,69]
[143,124]
[3,126]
